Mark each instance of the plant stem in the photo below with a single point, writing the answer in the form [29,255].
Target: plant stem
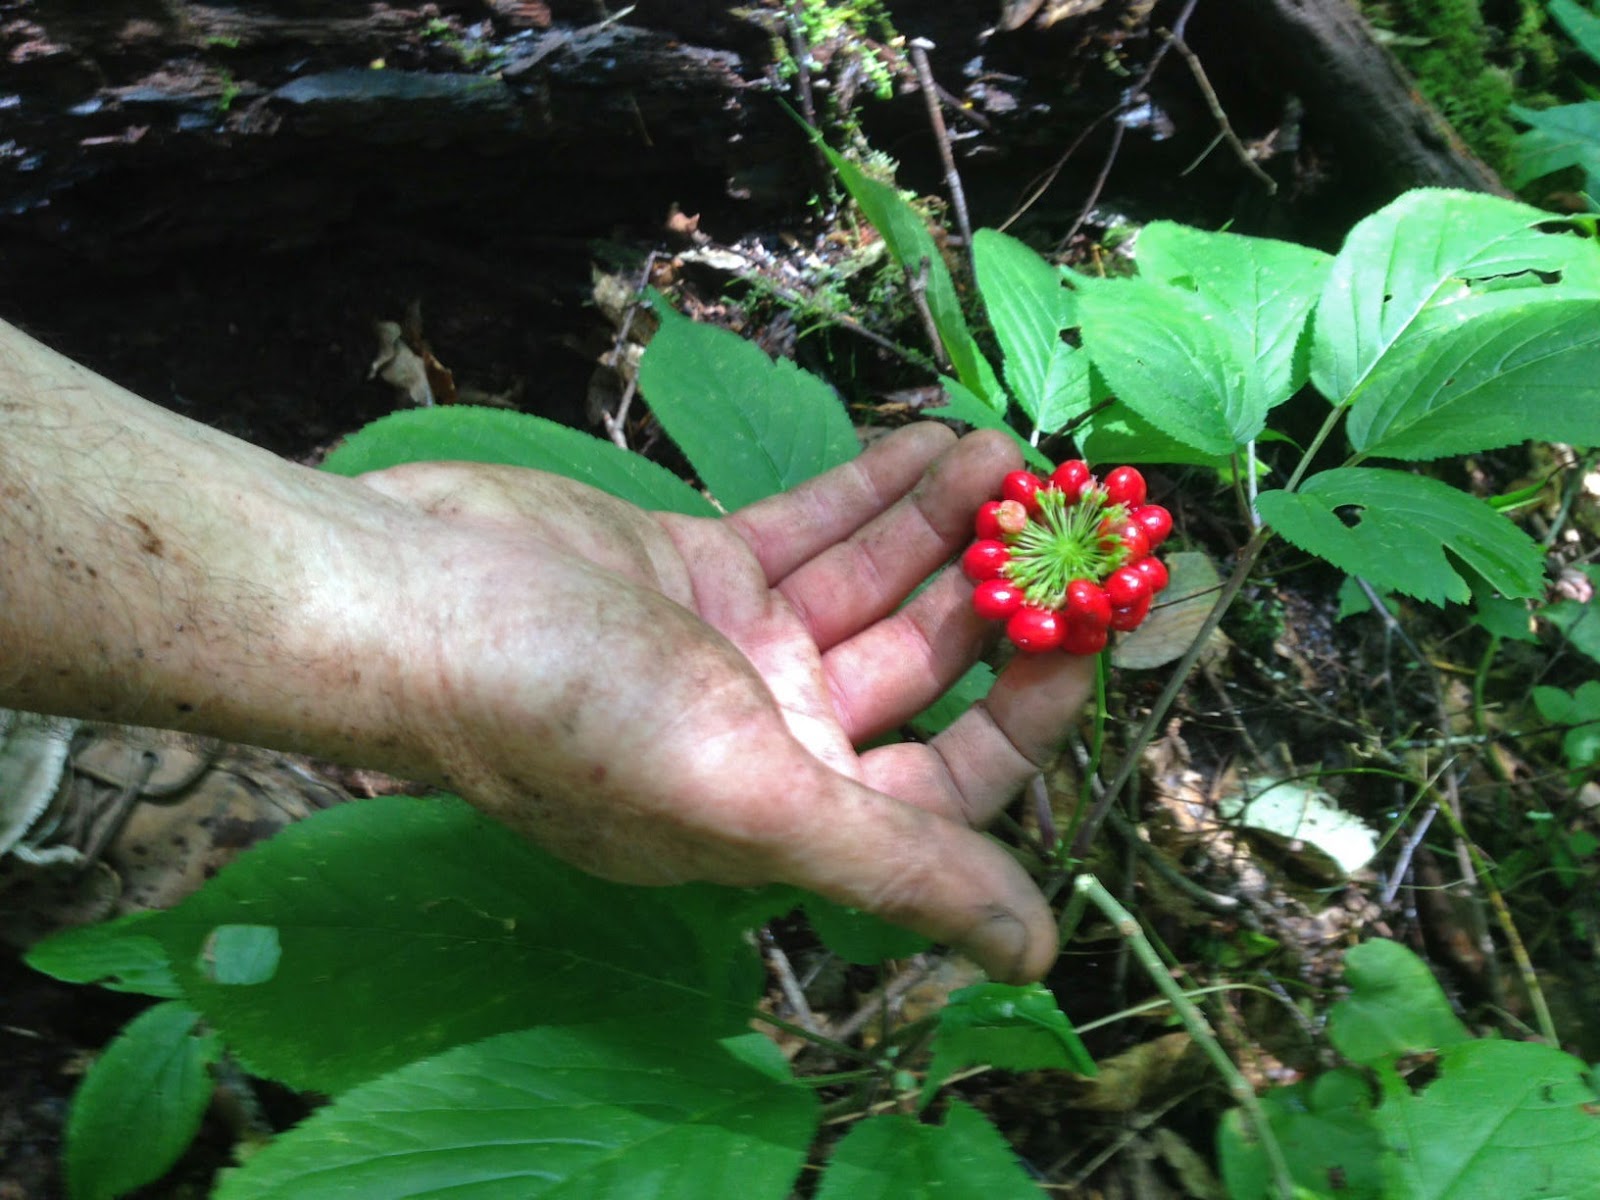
[1196,1023]
[1311,451]
[1130,761]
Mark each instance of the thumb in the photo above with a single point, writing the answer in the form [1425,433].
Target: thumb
[868,850]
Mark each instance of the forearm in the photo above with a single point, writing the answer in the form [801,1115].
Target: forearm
[154,571]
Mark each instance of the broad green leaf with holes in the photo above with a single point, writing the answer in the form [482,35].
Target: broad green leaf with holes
[461,433]
[641,1110]
[1402,526]
[1484,372]
[1262,290]
[1428,243]
[140,1105]
[113,955]
[1015,1028]
[750,426]
[1493,1119]
[1029,306]
[418,924]
[905,231]
[1395,1006]
[896,1157]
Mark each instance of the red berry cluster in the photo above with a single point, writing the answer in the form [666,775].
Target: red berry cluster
[1065,560]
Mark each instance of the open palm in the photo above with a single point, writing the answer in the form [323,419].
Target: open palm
[660,698]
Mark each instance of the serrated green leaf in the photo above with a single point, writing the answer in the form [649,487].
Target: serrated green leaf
[750,426]
[637,1112]
[1117,434]
[898,1158]
[859,937]
[1169,360]
[1263,289]
[905,232]
[140,1105]
[1500,1119]
[1015,1028]
[1395,263]
[462,433]
[1324,1128]
[962,405]
[1491,375]
[410,925]
[1581,25]
[1395,1006]
[113,955]
[1558,138]
[1403,526]
[1029,306]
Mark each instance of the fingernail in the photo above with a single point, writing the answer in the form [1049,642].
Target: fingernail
[1004,941]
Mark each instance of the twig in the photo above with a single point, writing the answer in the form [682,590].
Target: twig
[1215,105]
[918,285]
[1196,1023]
[793,995]
[1180,674]
[617,424]
[952,177]
[882,998]
[1129,96]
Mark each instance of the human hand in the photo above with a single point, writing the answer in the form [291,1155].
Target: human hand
[659,698]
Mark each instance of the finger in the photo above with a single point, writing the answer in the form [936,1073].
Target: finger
[850,584]
[888,673]
[998,744]
[862,848]
[785,530]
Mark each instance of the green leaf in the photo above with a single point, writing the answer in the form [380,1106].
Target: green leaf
[962,405]
[1580,745]
[898,1158]
[1168,359]
[1015,1028]
[1562,137]
[140,1105]
[241,955]
[859,937]
[1395,1006]
[1579,623]
[1500,1119]
[462,433]
[1117,434]
[1396,262]
[905,232]
[640,1111]
[113,954]
[1263,290]
[1512,370]
[1403,526]
[962,695]
[1581,25]
[750,426]
[1029,306]
[1324,1128]
[409,925]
